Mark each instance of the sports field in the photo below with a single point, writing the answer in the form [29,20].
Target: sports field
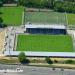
[71,19]
[12,15]
[45,17]
[48,43]
[50,18]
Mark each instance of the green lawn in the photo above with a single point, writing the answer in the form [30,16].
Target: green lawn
[71,19]
[12,15]
[49,43]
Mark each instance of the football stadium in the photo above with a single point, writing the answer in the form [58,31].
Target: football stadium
[45,32]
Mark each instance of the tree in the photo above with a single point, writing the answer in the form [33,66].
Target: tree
[50,3]
[1,23]
[21,2]
[1,3]
[9,1]
[1,20]
[59,6]
[22,58]
[48,60]
[64,6]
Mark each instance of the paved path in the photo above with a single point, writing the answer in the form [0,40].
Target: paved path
[72,33]
[11,33]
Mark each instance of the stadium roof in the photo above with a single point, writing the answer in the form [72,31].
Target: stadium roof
[41,54]
[54,26]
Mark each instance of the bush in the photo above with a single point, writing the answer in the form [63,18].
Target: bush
[48,60]
[3,25]
[55,61]
[69,62]
[26,61]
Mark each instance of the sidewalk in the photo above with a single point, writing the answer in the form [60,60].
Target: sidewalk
[72,66]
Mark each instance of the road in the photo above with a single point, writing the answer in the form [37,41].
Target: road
[29,70]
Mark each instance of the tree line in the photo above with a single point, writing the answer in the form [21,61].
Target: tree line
[56,5]
[65,6]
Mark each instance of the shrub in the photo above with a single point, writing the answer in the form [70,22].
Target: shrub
[69,62]
[48,60]
[55,61]
[3,25]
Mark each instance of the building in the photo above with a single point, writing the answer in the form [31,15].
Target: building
[45,29]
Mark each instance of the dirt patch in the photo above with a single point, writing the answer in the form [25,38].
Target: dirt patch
[2,39]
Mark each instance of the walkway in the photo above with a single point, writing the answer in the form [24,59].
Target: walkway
[72,33]
[11,34]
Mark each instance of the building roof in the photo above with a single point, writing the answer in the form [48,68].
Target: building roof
[54,26]
[42,54]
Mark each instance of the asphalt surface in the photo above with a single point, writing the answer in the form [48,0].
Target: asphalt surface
[29,70]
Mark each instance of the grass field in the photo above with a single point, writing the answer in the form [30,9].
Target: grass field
[48,43]
[50,18]
[71,19]
[12,15]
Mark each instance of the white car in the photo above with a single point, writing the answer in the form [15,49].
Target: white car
[18,69]
[33,69]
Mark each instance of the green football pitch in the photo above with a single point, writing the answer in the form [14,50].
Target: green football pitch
[50,18]
[44,43]
[12,15]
